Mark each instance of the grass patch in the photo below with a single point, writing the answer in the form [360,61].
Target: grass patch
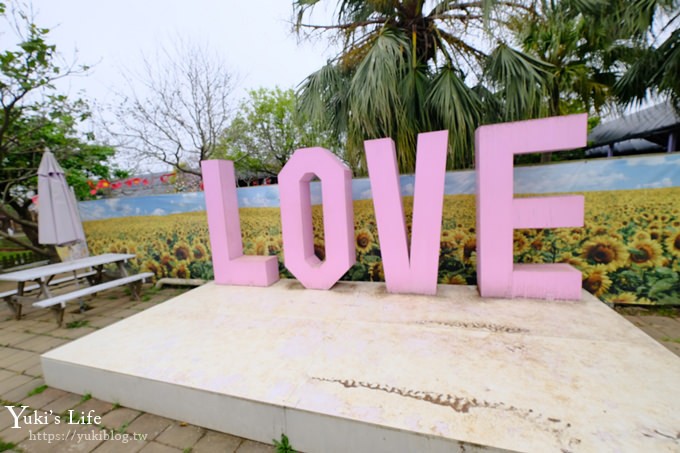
[77,324]
[123,428]
[146,298]
[669,312]
[86,397]
[671,340]
[283,446]
[4,446]
[38,390]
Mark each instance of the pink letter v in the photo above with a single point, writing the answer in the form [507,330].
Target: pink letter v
[416,273]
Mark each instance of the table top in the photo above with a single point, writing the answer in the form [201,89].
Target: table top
[41,272]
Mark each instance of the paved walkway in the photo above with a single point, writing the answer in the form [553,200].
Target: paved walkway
[664,329]
[21,384]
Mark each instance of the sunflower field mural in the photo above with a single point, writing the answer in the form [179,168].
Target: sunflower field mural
[628,251]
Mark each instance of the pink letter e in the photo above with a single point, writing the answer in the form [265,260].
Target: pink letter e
[498,212]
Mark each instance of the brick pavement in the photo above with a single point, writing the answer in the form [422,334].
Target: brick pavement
[664,329]
[21,384]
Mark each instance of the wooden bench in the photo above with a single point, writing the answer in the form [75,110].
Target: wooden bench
[7,295]
[58,303]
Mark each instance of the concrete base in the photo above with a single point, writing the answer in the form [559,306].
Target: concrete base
[357,369]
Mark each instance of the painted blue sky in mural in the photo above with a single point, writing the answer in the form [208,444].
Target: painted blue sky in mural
[603,174]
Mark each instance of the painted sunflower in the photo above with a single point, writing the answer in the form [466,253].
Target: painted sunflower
[597,283]
[646,253]
[364,240]
[606,252]
[673,243]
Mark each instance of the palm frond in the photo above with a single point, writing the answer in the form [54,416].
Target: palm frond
[522,79]
[634,84]
[374,93]
[314,91]
[456,108]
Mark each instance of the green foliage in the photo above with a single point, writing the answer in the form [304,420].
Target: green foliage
[34,117]
[283,446]
[6,446]
[77,324]
[266,131]
[86,397]
[404,69]
[653,69]
[38,390]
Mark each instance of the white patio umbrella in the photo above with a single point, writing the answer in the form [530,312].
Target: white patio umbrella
[58,218]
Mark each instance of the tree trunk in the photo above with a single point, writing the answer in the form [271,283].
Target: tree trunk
[554,111]
[23,217]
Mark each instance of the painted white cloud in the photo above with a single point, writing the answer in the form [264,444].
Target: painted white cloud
[361,189]
[460,183]
[665,182]
[653,161]
[407,189]
[316,198]
[92,210]
[158,211]
[578,179]
[365,195]
[112,202]
[255,201]
[263,196]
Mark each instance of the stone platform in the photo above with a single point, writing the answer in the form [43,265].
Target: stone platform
[357,369]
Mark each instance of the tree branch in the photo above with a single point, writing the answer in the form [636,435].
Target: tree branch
[41,251]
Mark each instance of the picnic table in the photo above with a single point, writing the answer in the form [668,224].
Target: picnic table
[86,274]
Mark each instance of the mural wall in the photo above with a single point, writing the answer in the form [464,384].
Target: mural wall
[628,251]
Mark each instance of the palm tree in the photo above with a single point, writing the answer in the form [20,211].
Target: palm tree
[573,55]
[563,67]
[404,65]
[654,59]
[402,70]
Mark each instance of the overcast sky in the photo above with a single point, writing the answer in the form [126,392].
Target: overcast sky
[254,38]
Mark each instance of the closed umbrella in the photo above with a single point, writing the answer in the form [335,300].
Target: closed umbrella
[58,218]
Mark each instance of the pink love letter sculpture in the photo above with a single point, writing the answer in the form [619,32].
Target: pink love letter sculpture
[415,272]
[230,265]
[296,217]
[498,212]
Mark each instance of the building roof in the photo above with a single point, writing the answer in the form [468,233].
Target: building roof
[626,147]
[649,123]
